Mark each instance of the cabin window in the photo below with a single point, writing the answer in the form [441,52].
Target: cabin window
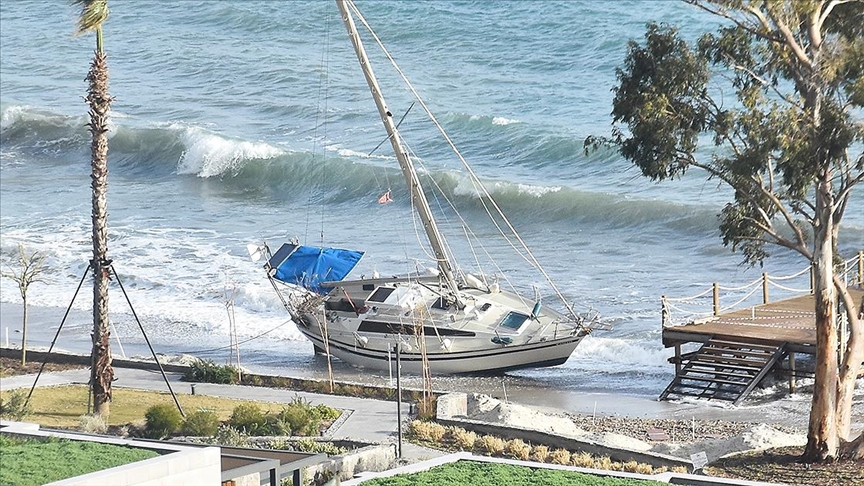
[380,294]
[513,320]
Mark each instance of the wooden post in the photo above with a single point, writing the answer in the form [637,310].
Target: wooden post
[791,372]
[716,299]
[764,288]
[812,279]
[677,359]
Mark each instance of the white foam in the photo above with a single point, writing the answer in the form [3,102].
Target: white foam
[615,354]
[208,154]
[348,153]
[464,187]
[501,121]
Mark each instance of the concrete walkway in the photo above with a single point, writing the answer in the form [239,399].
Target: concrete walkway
[369,420]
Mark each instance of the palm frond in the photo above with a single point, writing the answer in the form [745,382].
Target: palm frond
[93,14]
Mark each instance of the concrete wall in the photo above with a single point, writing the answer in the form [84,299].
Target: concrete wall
[178,464]
[371,458]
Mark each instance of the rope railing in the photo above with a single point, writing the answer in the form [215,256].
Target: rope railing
[684,310]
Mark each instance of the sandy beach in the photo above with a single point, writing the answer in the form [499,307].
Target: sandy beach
[771,406]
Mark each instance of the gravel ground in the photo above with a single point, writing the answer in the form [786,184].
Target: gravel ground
[680,431]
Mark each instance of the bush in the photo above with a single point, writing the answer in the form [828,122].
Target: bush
[248,418]
[206,371]
[92,424]
[582,459]
[300,418]
[325,413]
[493,446]
[161,421]
[560,456]
[275,425]
[540,453]
[15,407]
[201,423]
[463,439]
[229,436]
[518,449]
[312,445]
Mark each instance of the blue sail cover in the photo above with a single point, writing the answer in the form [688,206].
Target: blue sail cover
[308,266]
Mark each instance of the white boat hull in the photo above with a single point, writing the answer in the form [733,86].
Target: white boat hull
[494,359]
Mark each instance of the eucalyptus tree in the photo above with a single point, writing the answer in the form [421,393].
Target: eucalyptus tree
[27,269]
[93,15]
[766,105]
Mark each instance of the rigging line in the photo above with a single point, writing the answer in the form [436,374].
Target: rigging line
[464,162]
[257,336]
[479,242]
[322,87]
[397,127]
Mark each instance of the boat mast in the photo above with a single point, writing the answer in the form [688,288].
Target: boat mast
[408,172]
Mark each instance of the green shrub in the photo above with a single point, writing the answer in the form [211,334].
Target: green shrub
[229,436]
[162,420]
[206,371]
[311,445]
[201,423]
[15,407]
[274,424]
[300,418]
[248,418]
[325,413]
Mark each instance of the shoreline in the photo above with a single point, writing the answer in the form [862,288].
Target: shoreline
[777,408]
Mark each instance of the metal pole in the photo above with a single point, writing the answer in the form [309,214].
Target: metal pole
[140,326]
[54,341]
[399,399]
[791,372]
[716,299]
[764,288]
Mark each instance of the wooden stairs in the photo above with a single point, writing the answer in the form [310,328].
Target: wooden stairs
[723,369]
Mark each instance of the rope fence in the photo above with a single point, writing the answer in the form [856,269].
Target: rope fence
[706,305]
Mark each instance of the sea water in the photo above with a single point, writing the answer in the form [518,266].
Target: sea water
[243,122]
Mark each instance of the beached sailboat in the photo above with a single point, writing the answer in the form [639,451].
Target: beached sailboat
[459,322]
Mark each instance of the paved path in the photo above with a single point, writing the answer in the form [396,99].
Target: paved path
[369,420]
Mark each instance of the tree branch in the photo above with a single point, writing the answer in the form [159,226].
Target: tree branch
[789,39]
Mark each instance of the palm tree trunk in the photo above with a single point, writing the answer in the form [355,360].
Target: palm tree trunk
[102,374]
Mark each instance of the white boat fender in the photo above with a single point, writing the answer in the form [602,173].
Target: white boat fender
[361,340]
[446,344]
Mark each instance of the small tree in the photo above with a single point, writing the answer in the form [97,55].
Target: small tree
[27,269]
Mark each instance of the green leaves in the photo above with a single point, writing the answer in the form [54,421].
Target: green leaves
[776,90]
[662,100]
[93,15]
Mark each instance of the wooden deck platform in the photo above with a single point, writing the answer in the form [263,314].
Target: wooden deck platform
[790,321]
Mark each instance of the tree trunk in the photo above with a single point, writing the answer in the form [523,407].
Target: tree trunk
[822,438]
[102,374]
[852,359]
[853,450]
[24,336]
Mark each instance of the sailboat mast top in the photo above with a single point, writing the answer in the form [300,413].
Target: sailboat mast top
[405,163]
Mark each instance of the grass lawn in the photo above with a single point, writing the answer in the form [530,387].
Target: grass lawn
[471,473]
[33,462]
[61,407]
